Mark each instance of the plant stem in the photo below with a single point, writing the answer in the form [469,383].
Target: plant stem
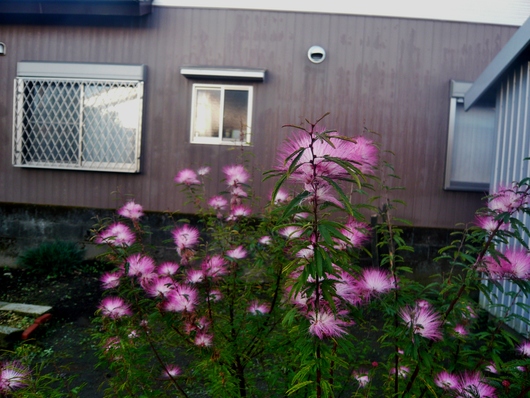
[159,359]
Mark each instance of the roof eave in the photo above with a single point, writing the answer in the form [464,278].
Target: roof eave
[489,78]
[77,7]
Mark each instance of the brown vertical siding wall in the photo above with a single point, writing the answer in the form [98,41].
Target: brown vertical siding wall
[390,75]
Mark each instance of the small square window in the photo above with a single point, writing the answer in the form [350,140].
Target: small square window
[221,114]
[470,142]
[73,123]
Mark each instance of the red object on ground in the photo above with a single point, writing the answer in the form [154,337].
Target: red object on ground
[39,321]
[43,318]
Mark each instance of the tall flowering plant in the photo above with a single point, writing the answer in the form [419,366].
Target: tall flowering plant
[216,308]
[280,302]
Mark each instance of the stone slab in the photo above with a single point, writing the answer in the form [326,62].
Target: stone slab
[26,309]
[2,303]
[7,330]
[6,333]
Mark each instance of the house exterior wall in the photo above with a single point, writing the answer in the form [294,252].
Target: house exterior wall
[512,146]
[387,74]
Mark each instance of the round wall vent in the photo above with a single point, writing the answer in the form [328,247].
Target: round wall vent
[316,54]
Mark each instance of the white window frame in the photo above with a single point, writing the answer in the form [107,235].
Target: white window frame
[469,155]
[80,76]
[245,137]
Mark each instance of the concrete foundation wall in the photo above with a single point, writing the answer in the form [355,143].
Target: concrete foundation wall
[25,226]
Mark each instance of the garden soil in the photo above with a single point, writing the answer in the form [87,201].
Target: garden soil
[64,343]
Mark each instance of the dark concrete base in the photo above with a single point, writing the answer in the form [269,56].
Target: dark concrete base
[24,226]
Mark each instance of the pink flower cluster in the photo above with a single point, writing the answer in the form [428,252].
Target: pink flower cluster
[356,233]
[320,160]
[174,285]
[13,375]
[512,264]
[117,234]
[236,178]
[465,385]
[189,177]
[507,199]
[351,290]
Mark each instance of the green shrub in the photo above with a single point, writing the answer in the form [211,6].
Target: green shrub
[52,258]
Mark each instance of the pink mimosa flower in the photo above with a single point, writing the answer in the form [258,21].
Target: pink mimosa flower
[185,236]
[195,276]
[167,269]
[461,330]
[140,265]
[506,200]
[187,177]
[217,203]
[256,308]
[524,348]
[316,158]
[362,153]
[362,377]
[491,368]
[473,385]
[237,253]
[184,298]
[326,324]
[238,192]
[110,280]
[131,210]
[322,194]
[347,288]
[291,232]
[117,234]
[13,375]
[356,233]
[374,281]
[423,321]
[282,196]
[517,264]
[204,170]
[446,380]
[403,371]
[203,340]
[265,240]
[489,224]
[214,266]
[513,264]
[171,371]
[235,175]
[114,307]
[160,287]
[215,295]
[308,253]
[239,211]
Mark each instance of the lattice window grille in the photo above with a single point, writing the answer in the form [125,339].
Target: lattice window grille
[78,124]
